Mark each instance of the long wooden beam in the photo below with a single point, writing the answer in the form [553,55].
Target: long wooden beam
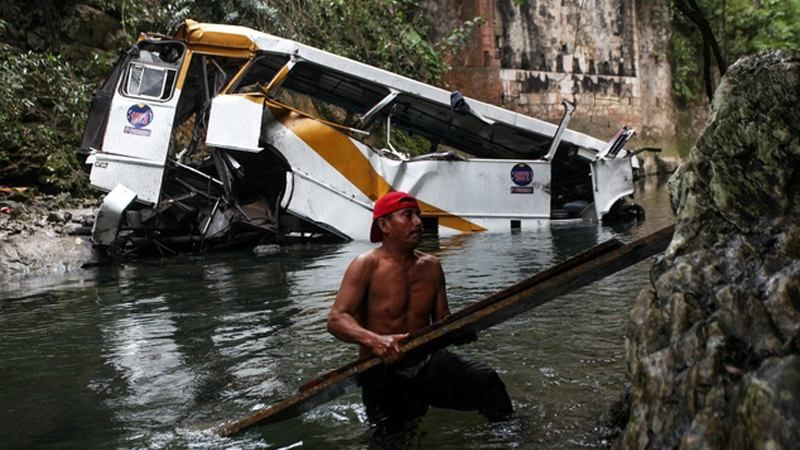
[578,271]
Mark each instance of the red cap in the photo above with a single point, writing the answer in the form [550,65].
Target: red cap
[388,204]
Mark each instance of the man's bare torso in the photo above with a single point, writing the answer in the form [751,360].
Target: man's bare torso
[389,291]
[401,296]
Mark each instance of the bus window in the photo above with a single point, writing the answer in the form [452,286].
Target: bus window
[150,82]
[152,72]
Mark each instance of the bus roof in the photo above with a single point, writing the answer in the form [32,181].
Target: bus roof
[503,124]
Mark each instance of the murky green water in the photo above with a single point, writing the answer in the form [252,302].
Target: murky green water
[155,354]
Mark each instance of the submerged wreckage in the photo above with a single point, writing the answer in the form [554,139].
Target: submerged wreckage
[222,135]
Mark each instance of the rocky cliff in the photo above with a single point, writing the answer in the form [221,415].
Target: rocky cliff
[713,347]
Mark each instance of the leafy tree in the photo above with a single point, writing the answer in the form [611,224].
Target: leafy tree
[42,112]
[741,27]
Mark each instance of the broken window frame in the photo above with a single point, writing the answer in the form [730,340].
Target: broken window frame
[241,84]
[275,88]
[214,80]
[320,84]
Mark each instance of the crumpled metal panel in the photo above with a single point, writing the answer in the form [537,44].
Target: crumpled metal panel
[109,216]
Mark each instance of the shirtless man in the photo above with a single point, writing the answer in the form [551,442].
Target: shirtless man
[394,290]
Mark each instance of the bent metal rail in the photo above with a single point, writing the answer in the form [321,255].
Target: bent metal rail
[578,271]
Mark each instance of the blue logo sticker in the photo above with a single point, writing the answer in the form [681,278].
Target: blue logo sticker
[522,174]
[140,115]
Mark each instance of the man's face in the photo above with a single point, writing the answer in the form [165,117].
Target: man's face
[404,225]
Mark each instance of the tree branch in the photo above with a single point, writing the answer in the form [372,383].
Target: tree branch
[708,35]
[707,81]
[695,14]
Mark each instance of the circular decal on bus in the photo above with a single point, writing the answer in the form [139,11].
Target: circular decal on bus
[140,115]
[522,174]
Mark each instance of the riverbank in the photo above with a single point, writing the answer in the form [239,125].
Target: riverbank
[44,233]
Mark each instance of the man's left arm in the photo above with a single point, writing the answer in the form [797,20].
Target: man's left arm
[441,309]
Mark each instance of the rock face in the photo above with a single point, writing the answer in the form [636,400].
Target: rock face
[91,27]
[713,347]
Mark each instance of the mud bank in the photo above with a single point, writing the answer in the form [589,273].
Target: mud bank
[45,234]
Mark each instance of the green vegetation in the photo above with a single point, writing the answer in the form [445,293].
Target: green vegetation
[390,34]
[686,81]
[741,27]
[43,100]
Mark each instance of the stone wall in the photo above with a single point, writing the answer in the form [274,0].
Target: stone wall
[607,56]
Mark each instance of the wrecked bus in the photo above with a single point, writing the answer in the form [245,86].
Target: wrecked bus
[222,135]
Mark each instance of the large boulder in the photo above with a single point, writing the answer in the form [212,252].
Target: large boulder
[91,27]
[713,346]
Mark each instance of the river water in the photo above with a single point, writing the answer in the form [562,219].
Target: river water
[158,353]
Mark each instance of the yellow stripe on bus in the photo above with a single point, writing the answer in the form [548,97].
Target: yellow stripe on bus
[340,152]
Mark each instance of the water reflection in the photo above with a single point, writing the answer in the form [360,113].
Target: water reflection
[157,353]
[140,346]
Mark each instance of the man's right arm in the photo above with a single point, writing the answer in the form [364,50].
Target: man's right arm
[342,321]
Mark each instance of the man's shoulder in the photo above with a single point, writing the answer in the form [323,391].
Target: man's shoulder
[426,258]
[369,257]
[362,266]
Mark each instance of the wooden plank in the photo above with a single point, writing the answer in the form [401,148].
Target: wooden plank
[578,271]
